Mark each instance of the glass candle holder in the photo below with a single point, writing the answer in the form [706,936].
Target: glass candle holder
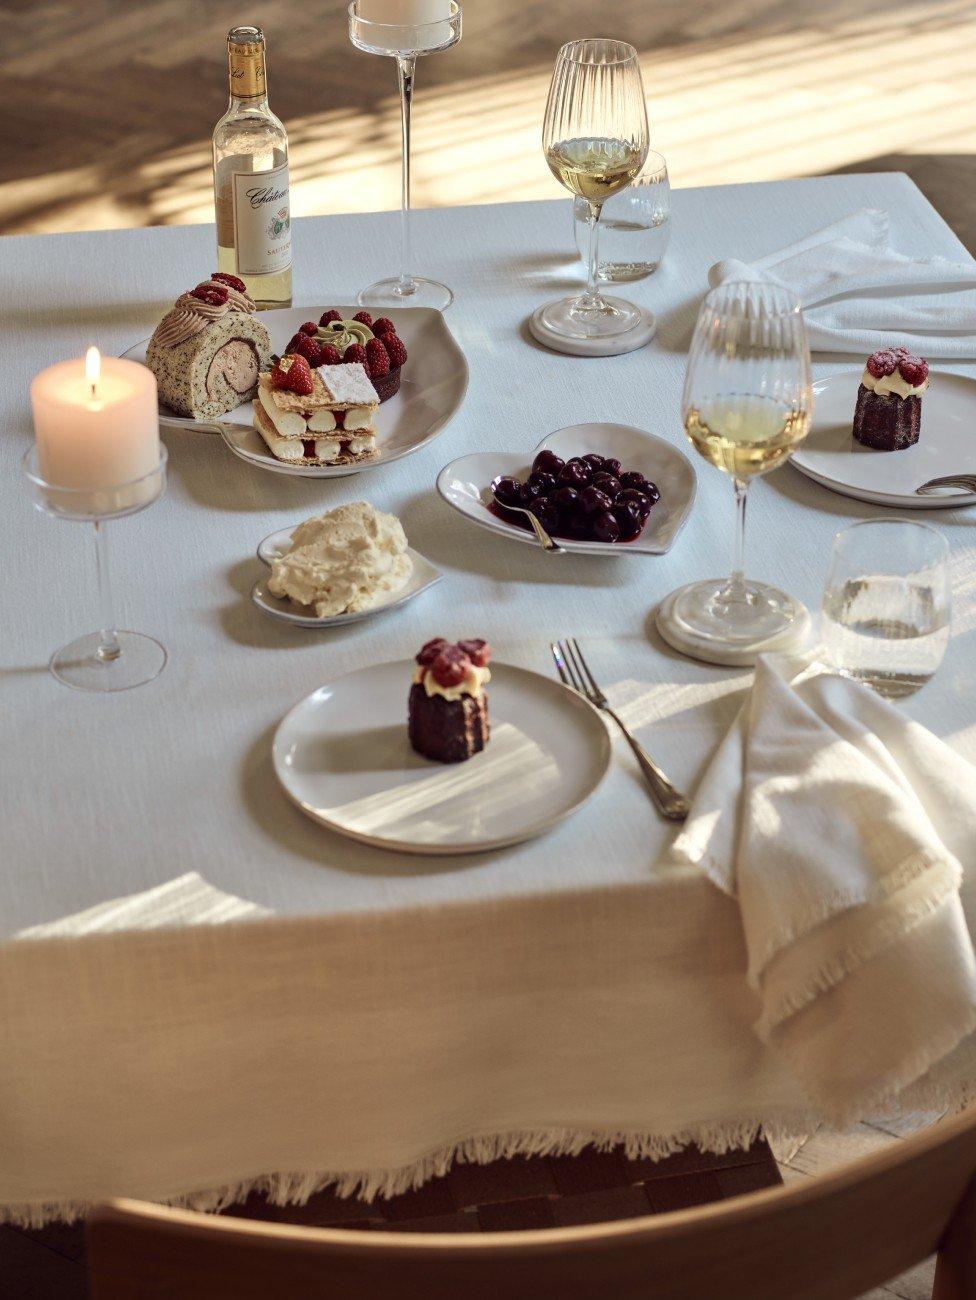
[405,42]
[110,659]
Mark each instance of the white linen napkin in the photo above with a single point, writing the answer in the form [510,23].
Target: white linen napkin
[859,294]
[185,900]
[836,822]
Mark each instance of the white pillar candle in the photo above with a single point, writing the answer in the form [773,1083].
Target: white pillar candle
[405,22]
[97,423]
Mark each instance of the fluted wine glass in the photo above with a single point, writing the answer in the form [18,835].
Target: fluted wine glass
[747,404]
[595,140]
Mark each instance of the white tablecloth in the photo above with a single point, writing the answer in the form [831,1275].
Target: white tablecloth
[395,1007]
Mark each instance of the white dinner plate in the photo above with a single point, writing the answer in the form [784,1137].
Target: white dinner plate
[432,387]
[424,575]
[947,445]
[343,756]
[465,482]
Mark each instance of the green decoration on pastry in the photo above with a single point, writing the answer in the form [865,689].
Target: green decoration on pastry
[343,334]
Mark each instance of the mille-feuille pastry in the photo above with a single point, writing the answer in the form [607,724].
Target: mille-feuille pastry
[316,417]
[208,351]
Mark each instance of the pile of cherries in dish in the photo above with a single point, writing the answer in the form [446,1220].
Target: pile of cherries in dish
[587,499]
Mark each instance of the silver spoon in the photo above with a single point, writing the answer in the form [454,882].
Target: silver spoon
[545,541]
[965,481]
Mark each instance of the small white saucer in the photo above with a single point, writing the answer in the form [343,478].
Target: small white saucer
[686,642]
[614,346]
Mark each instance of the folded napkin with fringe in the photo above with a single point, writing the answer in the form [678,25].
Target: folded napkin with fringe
[838,825]
[859,294]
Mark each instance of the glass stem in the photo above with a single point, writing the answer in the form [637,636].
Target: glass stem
[108,645]
[591,298]
[406,66]
[737,583]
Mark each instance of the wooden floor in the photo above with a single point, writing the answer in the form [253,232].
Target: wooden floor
[109,106]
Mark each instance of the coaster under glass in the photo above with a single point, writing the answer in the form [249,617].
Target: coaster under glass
[729,622]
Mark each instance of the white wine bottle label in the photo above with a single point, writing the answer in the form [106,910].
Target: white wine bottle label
[262,222]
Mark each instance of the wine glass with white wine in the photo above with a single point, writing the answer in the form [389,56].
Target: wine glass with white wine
[595,141]
[747,405]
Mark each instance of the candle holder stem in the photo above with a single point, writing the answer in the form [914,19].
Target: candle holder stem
[406,67]
[109,647]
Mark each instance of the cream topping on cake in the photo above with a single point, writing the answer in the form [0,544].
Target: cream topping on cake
[893,383]
[472,684]
[190,316]
[343,561]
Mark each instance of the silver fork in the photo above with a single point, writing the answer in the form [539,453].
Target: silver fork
[575,673]
[965,481]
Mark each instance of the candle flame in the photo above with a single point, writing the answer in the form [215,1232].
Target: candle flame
[93,368]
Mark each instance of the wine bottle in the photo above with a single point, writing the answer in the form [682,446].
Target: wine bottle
[250,161]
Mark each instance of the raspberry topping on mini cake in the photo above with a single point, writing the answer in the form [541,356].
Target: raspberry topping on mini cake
[374,345]
[888,414]
[448,707]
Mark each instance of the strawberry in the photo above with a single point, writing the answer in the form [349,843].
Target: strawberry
[355,352]
[329,355]
[232,280]
[913,370]
[306,347]
[377,361]
[294,374]
[364,318]
[383,326]
[328,316]
[478,651]
[430,651]
[308,328]
[212,294]
[394,349]
[451,666]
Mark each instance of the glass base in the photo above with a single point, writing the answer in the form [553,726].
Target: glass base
[722,624]
[78,664]
[415,292]
[609,317]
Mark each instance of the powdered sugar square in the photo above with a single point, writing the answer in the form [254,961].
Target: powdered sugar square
[349,384]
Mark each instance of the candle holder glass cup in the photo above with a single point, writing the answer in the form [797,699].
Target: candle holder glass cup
[405,43]
[111,659]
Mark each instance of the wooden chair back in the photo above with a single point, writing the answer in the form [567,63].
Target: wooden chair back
[831,1238]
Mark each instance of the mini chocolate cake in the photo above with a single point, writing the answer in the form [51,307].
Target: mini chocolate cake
[447,708]
[888,413]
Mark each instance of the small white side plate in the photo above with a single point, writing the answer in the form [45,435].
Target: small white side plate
[424,575]
[465,481]
[947,445]
[343,756]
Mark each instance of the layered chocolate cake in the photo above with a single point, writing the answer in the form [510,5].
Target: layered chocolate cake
[888,414]
[208,351]
[448,708]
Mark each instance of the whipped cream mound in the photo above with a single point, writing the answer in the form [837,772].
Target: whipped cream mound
[344,561]
[893,383]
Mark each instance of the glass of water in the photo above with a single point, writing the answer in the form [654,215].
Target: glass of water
[634,226]
[886,605]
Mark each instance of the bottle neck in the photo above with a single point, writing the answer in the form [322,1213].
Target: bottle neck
[247,77]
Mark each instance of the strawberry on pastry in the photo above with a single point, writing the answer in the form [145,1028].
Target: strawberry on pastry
[294,374]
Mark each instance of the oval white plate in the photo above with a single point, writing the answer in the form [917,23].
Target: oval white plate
[343,756]
[463,483]
[424,575]
[432,388]
[947,445]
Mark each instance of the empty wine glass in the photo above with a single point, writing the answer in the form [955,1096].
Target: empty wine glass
[747,404]
[595,141]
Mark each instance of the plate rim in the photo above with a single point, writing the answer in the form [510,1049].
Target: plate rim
[572,547]
[451,850]
[871,496]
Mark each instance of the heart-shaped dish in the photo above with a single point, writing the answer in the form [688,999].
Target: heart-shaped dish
[465,484]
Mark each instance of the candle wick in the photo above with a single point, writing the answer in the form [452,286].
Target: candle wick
[94,389]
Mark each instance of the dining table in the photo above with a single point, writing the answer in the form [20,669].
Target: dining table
[350,1015]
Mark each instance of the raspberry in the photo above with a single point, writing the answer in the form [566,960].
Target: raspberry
[329,355]
[308,328]
[430,651]
[383,326]
[330,315]
[212,294]
[881,363]
[355,352]
[364,318]
[914,370]
[306,347]
[394,349]
[451,666]
[232,280]
[377,361]
[478,651]
[296,376]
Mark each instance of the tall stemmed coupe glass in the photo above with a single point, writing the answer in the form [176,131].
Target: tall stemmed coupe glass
[421,27]
[747,404]
[595,141]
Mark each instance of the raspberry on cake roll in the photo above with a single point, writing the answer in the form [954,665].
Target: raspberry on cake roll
[888,414]
[316,417]
[448,707]
[208,351]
